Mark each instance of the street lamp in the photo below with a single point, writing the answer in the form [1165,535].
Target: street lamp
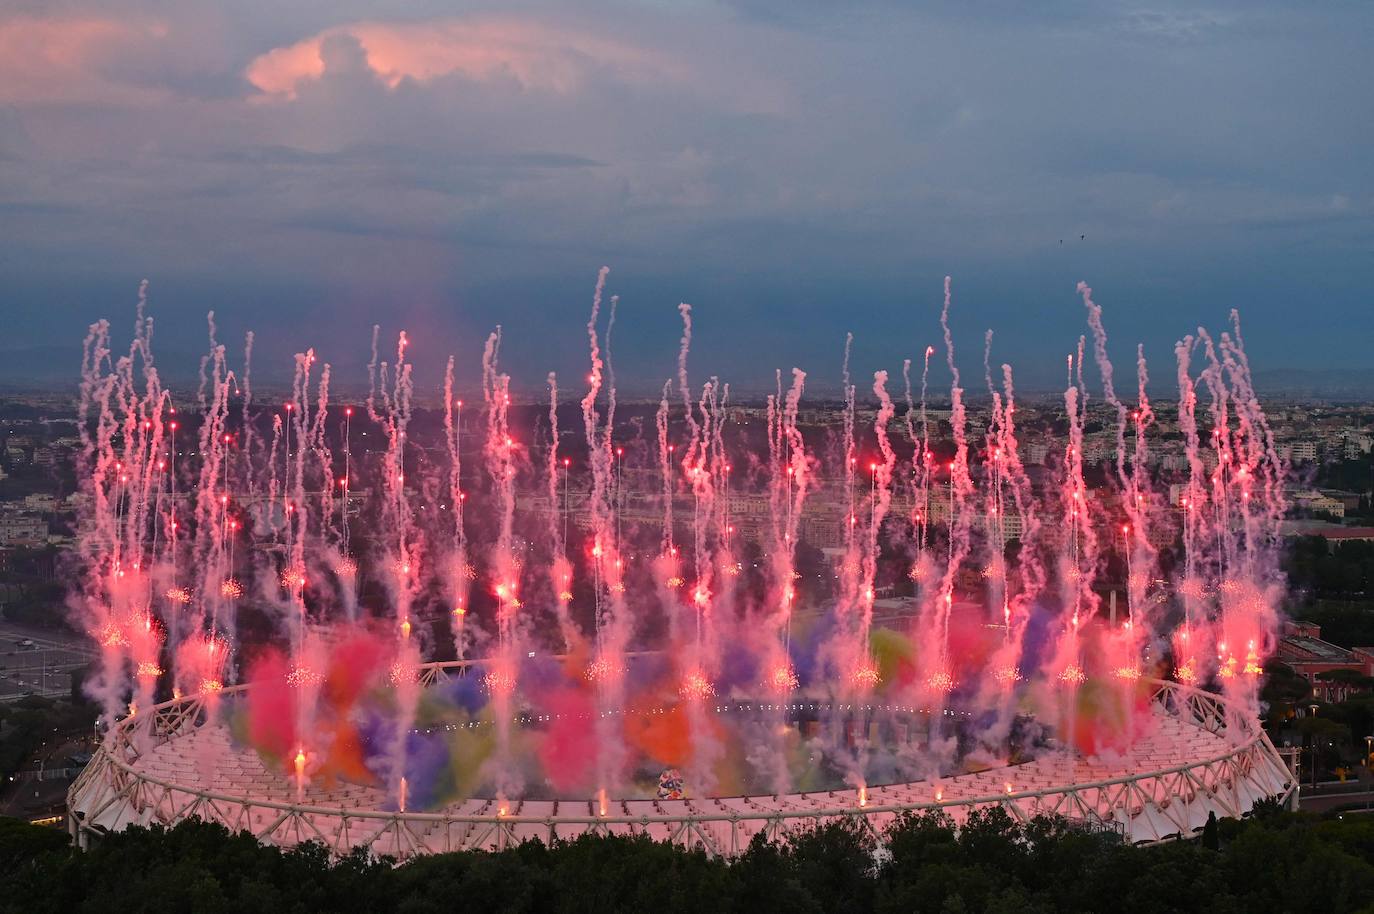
[1314,750]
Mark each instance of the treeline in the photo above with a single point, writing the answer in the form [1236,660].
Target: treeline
[1273,862]
[1345,570]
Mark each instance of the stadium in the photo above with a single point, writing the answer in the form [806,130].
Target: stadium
[1203,757]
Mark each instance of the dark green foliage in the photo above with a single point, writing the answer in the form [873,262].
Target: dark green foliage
[1275,861]
[1211,836]
[1345,569]
[21,843]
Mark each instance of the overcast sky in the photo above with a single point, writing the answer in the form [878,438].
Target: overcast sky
[310,167]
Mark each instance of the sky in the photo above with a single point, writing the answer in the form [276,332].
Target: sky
[794,169]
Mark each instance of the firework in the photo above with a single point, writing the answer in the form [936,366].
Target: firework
[940,681]
[696,687]
[300,677]
[783,680]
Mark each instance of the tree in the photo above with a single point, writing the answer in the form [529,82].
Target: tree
[21,843]
[1273,861]
[1210,839]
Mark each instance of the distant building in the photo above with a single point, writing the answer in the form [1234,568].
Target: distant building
[1303,649]
[1173,462]
[22,530]
[1334,533]
[1300,451]
[1034,452]
[1350,500]
[1356,443]
[1317,502]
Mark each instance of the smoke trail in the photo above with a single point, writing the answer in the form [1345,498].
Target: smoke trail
[1124,645]
[960,487]
[457,573]
[881,498]
[610,613]
[560,569]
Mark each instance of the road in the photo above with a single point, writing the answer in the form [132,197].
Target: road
[44,669]
[1333,795]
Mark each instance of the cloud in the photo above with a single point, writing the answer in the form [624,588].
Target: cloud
[1175,25]
[63,59]
[534,55]
[751,155]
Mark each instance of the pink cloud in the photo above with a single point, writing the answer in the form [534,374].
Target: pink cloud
[536,56]
[60,59]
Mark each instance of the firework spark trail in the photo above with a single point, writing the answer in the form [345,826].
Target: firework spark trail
[1260,456]
[924,465]
[402,555]
[248,446]
[779,494]
[1249,586]
[850,654]
[798,461]
[914,485]
[665,466]
[122,467]
[294,572]
[1275,466]
[1143,552]
[699,668]
[499,451]
[779,675]
[455,570]
[389,404]
[697,464]
[1219,538]
[1137,553]
[996,526]
[1127,484]
[1032,573]
[666,568]
[1079,559]
[599,462]
[560,569]
[881,498]
[718,469]
[213,503]
[1264,515]
[694,465]
[960,488]
[1188,645]
[322,471]
[790,476]
[610,613]
[98,547]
